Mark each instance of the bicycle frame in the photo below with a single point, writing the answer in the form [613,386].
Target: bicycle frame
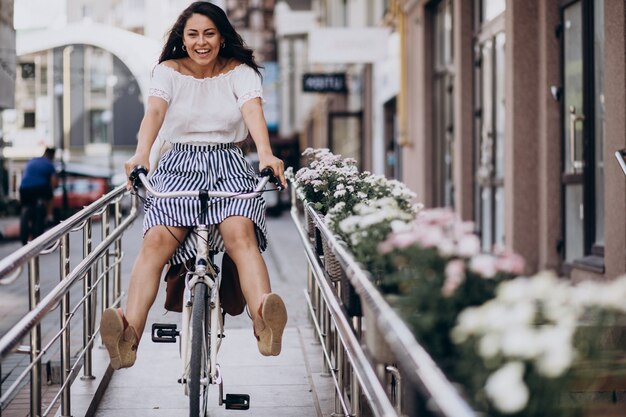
[205,273]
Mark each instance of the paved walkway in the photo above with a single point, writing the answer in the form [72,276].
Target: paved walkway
[287,385]
[291,384]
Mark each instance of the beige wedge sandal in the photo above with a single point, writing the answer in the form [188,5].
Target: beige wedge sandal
[119,338]
[269,324]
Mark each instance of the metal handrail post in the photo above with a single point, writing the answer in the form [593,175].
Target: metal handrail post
[35,339]
[64,254]
[340,367]
[325,316]
[355,402]
[117,273]
[88,305]
[310,287]
[104,224]
[316,303]
[396,393]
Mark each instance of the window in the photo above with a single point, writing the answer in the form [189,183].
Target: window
[344,134]
[29,119]
[489,110]
[98,126]
[99,64]
[27,70]
[43,80]
[583,130]
[490,9]
[392,150]
[443,104]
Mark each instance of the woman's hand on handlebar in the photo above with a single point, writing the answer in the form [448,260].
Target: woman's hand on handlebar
[129,165]
[276,165]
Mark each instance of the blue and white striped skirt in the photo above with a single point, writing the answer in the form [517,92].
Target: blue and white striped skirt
[215,167]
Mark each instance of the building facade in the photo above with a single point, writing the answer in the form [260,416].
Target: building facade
[515,113]
[7,55]
[82,83]
[509,112]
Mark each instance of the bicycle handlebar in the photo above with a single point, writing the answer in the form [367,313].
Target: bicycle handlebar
[138,177]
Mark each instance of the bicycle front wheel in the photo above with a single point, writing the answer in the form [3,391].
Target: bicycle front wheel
[198,364]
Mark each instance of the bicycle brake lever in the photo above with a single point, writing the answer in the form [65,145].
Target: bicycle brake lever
[134,176]
[269,172]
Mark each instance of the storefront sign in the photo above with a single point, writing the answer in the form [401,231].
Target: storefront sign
[324,83]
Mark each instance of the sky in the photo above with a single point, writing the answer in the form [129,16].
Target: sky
[32,14]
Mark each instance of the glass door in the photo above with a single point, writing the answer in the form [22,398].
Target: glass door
[443,104]
[392,150]
[583,129]
[489,111]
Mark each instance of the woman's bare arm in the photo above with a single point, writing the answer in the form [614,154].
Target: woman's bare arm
[252,112]
[148,131]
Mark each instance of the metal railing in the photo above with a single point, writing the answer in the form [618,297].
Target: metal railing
[99,270]
[408,384]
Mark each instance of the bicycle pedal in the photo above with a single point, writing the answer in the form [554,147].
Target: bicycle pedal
[237,402]
[164,333]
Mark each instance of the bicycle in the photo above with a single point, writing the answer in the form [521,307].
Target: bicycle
[202,322]
[32,220]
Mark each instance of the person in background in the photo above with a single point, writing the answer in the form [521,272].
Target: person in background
[39,180]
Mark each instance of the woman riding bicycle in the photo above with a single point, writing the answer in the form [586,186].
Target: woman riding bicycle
[205,97]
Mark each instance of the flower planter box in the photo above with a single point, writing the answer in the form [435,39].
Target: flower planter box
[332,266]
[375,342]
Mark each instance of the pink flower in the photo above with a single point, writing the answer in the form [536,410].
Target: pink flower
[468,246]
[429,237]
[455,275]
[509,261]
[484,265]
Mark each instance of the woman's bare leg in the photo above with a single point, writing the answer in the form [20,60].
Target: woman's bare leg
[157,248]
[241,244]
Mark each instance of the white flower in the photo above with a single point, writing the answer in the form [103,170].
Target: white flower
[399,226]
[520,342]
[489,345]
[516,289]
[543,283]
[558,353]
[506,389]
[553,364]
[469,322]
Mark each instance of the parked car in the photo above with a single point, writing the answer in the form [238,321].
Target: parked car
[81,191]
[84,184]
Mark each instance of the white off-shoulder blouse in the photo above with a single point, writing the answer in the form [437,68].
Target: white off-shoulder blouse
[204,110]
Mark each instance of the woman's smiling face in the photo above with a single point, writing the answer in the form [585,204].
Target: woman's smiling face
[201,39]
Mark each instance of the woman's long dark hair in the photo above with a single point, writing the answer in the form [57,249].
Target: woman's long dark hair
[234,45]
